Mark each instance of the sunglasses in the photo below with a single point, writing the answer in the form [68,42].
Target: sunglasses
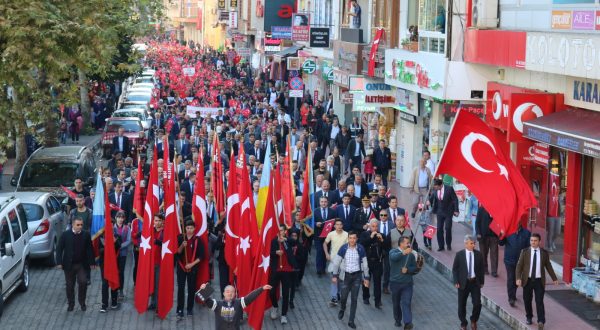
[383,215]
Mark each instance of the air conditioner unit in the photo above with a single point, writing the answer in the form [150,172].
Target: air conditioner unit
[485,14]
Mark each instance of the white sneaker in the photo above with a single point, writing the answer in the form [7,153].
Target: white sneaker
[283,319]
[274,313]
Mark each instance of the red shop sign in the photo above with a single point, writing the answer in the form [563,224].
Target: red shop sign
[541,154]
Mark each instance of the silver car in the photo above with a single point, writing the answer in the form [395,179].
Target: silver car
[46,221]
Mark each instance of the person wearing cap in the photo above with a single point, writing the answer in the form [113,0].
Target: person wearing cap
[362,216]
[374,198]
[374,242]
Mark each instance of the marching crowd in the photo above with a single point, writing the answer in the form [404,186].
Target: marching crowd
[358,235]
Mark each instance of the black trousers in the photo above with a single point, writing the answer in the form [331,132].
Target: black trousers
[114,294]
[182,279]
[534,286]
[376,271]
[489,246]
[295,283]
[223,275]
[444,223]
[386,270]
[473,289]
[286,279]
[384,175]
[78,274]
[121,260]
[511,284]
[136,256]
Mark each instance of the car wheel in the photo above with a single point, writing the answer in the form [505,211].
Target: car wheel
[51,259]
[25,278]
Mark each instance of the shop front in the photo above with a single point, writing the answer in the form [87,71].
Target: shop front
[574,139]
[346,62]
[317,73]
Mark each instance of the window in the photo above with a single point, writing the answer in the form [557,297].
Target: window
[23,218]
[14,224]
[56,204]
[4,236]
[50,207]
[432,15]
[386,15]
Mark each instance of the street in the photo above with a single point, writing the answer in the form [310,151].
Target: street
[44,306]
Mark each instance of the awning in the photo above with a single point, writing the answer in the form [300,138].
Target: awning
[572,129]
[280,55]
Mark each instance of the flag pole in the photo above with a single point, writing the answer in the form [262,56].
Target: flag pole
[179,206]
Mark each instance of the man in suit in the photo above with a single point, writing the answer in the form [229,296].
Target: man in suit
[325,192]
[382,161]
[188,187]
[346,212]
[122,200]
[193,127]
[468,278]
[294,136]
[186,172]
[75,257]
[531,275]
[182,146]
[341,190]
[354,200]
[258,152]
[360,187]
[322,214]
[299,154]
[120,143]
[334,171]
[444,205]
[356,151]
[362,216]
[249,145]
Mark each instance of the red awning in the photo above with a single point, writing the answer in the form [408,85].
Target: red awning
[572,129]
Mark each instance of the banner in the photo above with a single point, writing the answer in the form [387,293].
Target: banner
[553,195]
[191,111]
[300,27]
[374,46]
[189,71]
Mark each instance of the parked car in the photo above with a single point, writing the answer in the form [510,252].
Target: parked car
[49,168]
[140,113]
[46,221]
[14,248]
[132,125]
[140,98]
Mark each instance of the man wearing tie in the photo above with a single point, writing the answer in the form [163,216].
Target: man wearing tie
[121,143]
[258,151]
[531,275]
[182,146]
[322,214]
[362,216]
[346,212]
[467,274]
[325,192]
[122,200]
[355,151]
[185,173]
[299,155]
[188,187]
[444,205]
[334,171]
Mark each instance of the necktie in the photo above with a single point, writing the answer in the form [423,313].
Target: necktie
[346,212]
[119,200]
[325,194]
[440,194]
[394,216]
[297,154]
[470,265]
[534,266]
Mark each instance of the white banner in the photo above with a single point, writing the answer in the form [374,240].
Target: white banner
[204,112]
[189,71]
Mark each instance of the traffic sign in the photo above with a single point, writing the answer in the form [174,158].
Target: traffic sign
[296,83]
[309,66]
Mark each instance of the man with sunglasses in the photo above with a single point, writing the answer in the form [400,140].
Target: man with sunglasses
[373,241]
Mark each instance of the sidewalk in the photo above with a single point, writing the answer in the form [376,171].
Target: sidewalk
[494,296]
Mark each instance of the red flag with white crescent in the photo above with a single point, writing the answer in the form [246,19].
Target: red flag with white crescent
[201,221]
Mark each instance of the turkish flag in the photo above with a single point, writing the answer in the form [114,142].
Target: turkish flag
[233,215]
[430,231]
[111,272]
[169,244]
[144,285]
[201,221]
[287,180]
[474,157]
[277,195]
[262,267]
[247,229]
[217,177]
[373,52]
[69,192]
[328,226]
[554,191]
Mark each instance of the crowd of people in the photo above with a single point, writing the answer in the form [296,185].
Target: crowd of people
[359,235]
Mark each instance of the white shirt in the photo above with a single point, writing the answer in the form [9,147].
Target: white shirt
[357,190]
[384,228]
[423,178]
[334,131]
[121,143]
[538,270]
[431,165]
[470,263]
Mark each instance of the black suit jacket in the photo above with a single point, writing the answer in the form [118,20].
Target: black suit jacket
[288,248]
[352,147]
[115,145]
[382,159]
[64,250]
[126,204]
[331,197]
[319,219]
[189,193]
[448,205]
[361,219]
[347,221]
[318,155]
[460,270]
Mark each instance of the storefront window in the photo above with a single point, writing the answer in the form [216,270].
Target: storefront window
[555,214]
[590,232]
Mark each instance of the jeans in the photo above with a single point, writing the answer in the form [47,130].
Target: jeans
[182,279]
[320,258]
[401,298]
[63,137]
[334,290]
[77,272]
[351,284]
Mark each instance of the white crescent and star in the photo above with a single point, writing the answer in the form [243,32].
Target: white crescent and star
[466,148]
[264,264]
[145,244]
[165,249]
[231,201]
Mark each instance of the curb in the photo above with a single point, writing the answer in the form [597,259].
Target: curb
[488,303]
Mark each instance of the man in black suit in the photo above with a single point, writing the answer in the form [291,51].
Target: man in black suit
[334,171]
[257,151]
[346,212]
[467,274]
[75,257]
[188,187]
[325,192]
[382,161]
[362,216]
[356,151]
[122,200]
[321,214]
[121,143]
[444,205]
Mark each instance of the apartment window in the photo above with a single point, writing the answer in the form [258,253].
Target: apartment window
[432,26]
[386,15]
[323,13]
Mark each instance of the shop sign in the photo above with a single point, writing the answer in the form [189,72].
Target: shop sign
[451,109]
[281,32]
[574,55]
[233,20]
[373,92]
[300,27]
[541,154]
[481,46]
[418,72]
[509,106]
[359,104]
[293,63]
[407,117]
[347,56]
[272,45]
[243,52]
[583,19]
[347,98]
[279,13]
[407,101]
[309,66]
[561,20]
[568,142]
[583,93]
[330,75]
[221,4]
[340,78]
[319,37]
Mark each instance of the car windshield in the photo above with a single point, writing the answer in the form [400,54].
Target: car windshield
[130,105]
[128,114]
[145,79]
[128,125]
[33,212]
[48,174]
[139,97]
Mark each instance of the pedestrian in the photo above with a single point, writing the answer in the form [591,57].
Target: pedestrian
[136,239]
[114,293]
[425,220]
[532,266]
[419,184]
[368,166]
[158,234]
[373,242]
[300,255]
[382,161]
[124,232]
[230,311]
[63,128]
[403,266]
[513,245]
[468,278]
[488,241]
[444,204]
[283,264]
[321,215]
[74,256]
[335,239]
[189,255]
[350,266]
[82,212]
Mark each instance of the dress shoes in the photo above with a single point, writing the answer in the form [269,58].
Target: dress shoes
[449,248]
[366,301]
[386,291]
[440,249]
[378,306]
[529,322]
[511,302]
[70,308]
[351,325]
[341,314]
[83,308]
